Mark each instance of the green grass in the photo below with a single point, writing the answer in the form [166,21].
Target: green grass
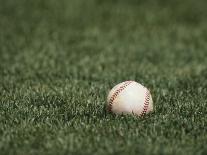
[59,59]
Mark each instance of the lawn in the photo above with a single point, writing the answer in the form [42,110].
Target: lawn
[59,59]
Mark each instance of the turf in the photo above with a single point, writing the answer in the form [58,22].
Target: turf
[59,59]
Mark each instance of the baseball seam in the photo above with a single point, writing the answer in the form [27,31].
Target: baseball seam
[146,103]
[117,92]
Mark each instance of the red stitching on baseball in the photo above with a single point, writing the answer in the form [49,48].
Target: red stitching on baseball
[146,103]
[117,92]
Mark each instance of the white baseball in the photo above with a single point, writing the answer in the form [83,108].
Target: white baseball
[130,97]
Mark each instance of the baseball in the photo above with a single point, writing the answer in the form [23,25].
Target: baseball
[130,97]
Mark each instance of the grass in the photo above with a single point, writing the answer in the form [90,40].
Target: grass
[59,59]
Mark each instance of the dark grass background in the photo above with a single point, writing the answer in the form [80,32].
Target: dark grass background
[58,60]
